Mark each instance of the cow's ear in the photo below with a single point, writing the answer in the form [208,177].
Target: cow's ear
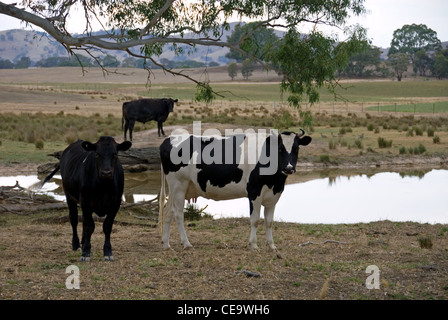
[88,146]
[124,146]
[304,141]
[175,100]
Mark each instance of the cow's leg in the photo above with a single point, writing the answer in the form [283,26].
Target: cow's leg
[269,220]
[131,128]
[126,127]
[177,193]
[107,229]
[178,210]
[88,226]
[73,216]
[255,207]
[167,217]
[160,128]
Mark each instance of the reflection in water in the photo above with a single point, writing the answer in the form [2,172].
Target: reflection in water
[315,197]
[383,196]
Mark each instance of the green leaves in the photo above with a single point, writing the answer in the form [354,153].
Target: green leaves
[411,38]
[204,92]
[308,62]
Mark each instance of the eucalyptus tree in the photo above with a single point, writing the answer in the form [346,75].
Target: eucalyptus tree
[412,38]
[307,57]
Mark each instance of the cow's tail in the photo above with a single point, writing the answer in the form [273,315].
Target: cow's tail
[40,184]
[162,197]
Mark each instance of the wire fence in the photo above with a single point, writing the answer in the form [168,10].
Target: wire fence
[405,107]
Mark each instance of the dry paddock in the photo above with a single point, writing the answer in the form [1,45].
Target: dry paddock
[35,253]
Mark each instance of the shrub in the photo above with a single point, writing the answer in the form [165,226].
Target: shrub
[332,144]
[39,144]
[324,158]
[421,148]
[418,131]
[430,132]
[402,150]
[383,143]
[417,150]
[192,212]
[425,242]
[436,139]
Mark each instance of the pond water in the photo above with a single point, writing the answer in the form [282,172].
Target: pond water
[315,197]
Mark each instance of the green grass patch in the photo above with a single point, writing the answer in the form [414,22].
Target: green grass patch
[386,90]
[436,107]
[357,91]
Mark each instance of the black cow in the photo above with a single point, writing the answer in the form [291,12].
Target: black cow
[92,177]
[145,110]
[222,168]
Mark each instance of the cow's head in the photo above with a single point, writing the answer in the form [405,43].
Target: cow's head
[169,103]
[106,154]
[288,150]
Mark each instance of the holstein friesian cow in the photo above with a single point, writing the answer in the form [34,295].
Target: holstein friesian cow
[145,110]
[223,168]
[92,177]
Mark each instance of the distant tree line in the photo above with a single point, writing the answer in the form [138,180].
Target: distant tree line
[415,45]
[22,63]
[107,61]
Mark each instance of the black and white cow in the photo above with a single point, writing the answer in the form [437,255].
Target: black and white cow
[92,177]
[222,168]
[145,110]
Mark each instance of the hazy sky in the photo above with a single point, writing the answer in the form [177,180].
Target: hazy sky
[385,16]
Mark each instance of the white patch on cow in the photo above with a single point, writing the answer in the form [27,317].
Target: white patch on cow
[288,141]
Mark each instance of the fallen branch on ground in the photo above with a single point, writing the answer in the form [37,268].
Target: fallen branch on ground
[326,241]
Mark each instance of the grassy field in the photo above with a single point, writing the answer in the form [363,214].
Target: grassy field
[354,92]
[41,111]
[434,107]
[39,114]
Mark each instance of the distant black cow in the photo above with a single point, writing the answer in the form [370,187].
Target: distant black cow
[145,110]
[92,177]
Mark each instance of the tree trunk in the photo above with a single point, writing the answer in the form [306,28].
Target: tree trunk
[133,160]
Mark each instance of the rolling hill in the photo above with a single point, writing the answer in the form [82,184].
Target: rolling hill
[15,44]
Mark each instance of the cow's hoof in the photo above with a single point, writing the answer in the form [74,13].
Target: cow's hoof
[188,246]
[254,248]
[108,258]
[84,259]
[166,247]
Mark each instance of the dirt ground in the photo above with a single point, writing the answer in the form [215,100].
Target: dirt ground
[36,252]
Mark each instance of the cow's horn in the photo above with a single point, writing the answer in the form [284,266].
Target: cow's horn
[301,134]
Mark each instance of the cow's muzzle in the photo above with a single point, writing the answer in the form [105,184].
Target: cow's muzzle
[289,170]
[106,174]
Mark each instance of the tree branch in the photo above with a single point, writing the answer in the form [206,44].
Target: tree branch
[156,18]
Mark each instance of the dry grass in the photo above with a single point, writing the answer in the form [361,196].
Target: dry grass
[35,254]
